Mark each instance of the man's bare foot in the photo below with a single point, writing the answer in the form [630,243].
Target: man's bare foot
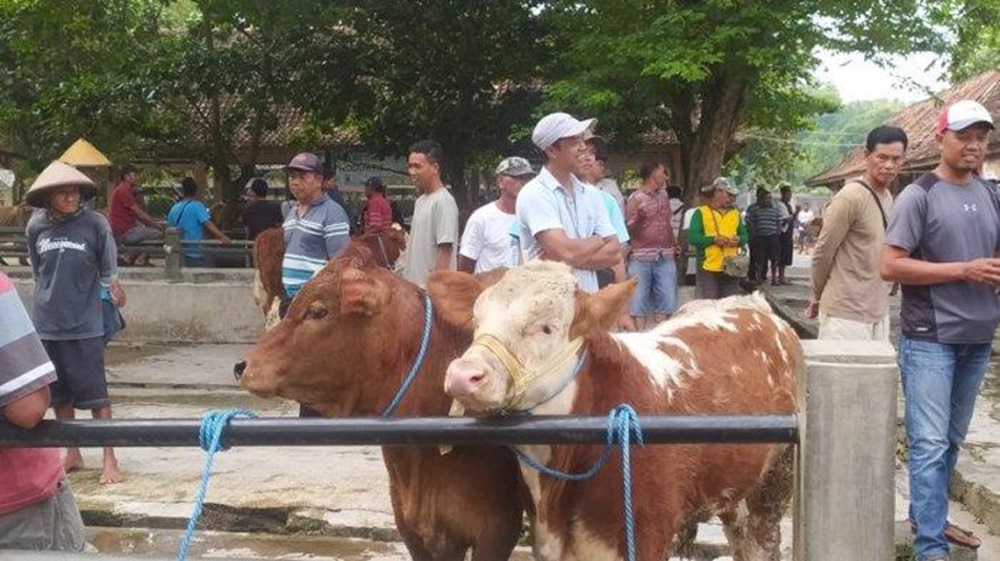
[72,461]
[112,473]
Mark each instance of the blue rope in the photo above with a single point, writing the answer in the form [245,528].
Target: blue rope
[623,426]
[419,362]
[213,424]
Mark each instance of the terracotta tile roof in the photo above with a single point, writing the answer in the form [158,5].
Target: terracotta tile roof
[918,121]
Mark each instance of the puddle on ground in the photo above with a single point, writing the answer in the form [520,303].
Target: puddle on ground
[223,545]
[196,399]
[124,353]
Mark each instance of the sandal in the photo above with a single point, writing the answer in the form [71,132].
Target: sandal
[956,535]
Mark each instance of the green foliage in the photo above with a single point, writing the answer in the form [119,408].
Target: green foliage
[836,133]
[708,69]
[459,72]
[975,27]
[60,68]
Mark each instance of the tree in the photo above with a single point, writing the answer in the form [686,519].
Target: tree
[220,82]
[61,65]
[462,73]
[975,26]
[711,68]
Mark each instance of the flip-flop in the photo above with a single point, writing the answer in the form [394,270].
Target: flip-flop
[956,535]
[961,536]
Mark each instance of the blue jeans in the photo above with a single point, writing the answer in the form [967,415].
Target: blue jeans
[657,290]
[940,383]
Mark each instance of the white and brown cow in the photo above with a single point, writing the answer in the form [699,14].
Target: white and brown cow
[542,346]
[348,339]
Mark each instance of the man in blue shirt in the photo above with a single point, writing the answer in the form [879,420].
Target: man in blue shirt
[562,218]
[190,215]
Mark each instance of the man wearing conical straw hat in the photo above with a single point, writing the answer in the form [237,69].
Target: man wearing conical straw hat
[73,255]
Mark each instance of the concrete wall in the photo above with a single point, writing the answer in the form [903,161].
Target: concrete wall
[206,307]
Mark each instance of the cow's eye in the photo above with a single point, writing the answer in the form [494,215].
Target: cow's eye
[315,313]
[546,330]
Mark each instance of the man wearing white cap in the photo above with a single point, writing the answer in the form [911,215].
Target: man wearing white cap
[561,218]
[486,240]
[941,246]
[73,255]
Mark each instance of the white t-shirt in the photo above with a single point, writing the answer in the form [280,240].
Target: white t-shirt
[487,238]
[805,217]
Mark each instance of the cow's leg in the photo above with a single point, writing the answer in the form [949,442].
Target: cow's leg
[766,506]
[497,543]
[413,542]
[734,526]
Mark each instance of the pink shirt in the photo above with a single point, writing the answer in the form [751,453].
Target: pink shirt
[378,214]
[30,475]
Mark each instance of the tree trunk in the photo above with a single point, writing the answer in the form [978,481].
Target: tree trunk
[705,125]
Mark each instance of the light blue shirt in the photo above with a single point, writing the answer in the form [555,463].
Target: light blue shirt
[190,216]
[616,217]
[543,204]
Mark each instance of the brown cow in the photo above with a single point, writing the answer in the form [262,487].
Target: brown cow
[349,337]
[269,250]
[541,346]
[15,216]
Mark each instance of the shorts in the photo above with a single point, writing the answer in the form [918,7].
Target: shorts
[80,379]
[141,233]
[50,525]
[656,292]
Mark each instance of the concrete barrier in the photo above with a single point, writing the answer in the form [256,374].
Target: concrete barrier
[844,505]
[205,306]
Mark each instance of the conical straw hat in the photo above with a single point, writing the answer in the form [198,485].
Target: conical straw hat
[58,174]
[83,154]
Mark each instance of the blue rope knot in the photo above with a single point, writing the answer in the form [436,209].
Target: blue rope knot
[623,429]
[213,425]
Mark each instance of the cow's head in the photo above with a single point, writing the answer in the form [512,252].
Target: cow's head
[339,328]
[528,331]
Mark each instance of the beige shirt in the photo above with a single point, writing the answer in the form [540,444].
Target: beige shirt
[435,222]
[845,276]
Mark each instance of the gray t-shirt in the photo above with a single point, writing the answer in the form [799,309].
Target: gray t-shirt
[940,222]
[70,260]
[435,222]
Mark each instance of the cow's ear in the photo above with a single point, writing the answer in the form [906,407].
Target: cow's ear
[361,294]
[454,295]
[597,313]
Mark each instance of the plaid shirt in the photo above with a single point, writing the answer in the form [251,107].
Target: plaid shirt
[648,217]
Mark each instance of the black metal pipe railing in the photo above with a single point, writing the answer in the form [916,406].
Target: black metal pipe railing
[657,429]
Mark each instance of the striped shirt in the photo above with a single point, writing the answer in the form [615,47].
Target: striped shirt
[24,366]
[30,475]
[763,221]
[311,240]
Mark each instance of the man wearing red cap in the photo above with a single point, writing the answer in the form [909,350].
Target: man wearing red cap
[941,246]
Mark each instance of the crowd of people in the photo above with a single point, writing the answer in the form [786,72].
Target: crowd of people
[939,239]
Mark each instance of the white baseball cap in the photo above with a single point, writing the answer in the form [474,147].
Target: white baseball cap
[963,114]
[554,126]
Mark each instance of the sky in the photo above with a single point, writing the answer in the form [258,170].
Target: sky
[907,79]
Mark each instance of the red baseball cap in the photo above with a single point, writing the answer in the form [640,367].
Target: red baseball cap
[962,115]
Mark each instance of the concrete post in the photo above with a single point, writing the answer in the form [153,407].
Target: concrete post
[844,500]
[175,255]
